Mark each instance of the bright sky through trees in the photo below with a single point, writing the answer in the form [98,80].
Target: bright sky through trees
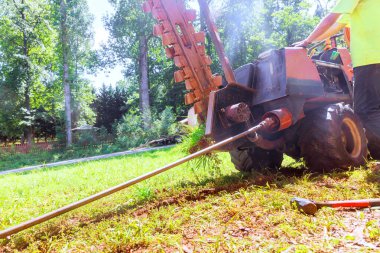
[100,8]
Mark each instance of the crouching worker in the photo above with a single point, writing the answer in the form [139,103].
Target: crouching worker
[364,19]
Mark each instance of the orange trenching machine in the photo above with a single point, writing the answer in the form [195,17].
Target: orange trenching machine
[308,97]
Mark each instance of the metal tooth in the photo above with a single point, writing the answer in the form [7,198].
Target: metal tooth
[200,37]
[188,72]
[198,107]
[201,49]
[217,80]
[159,14]
[179,76]
[166,26]
[180,61]
[191,15]
[198,94]
[191,84]
[189,98]
[157,30]
[177,50]
[168,39]
[206,60]
[173,50]
[170,52]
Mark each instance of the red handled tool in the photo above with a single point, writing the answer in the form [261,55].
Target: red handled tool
[311,207]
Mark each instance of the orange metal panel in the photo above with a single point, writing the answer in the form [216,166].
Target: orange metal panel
[300,67]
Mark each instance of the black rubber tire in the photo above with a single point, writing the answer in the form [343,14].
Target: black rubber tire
[249,159]
[373,145]
[331,138]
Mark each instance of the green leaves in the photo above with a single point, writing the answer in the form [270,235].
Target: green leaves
[30,65]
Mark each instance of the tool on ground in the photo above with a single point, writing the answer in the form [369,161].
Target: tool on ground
[311,207]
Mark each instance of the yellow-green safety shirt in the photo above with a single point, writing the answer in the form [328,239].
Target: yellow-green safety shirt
[365,32]
[345,19]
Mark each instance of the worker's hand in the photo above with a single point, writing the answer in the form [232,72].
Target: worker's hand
[303,43]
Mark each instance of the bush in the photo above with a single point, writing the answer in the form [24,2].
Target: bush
[85,138]
[166,124]
[130,132]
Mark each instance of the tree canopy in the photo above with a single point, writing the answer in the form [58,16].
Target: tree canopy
[45,53]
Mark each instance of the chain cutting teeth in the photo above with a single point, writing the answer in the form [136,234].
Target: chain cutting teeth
[187,48]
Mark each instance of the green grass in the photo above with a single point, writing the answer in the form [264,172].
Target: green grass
[190,208]
[36,157]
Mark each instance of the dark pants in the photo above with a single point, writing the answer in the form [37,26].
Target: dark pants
[367,103]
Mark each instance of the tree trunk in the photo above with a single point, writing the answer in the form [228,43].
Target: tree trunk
[144,83]
[28,131]
[65,62]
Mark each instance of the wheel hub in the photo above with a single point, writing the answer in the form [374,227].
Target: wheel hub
[351,137]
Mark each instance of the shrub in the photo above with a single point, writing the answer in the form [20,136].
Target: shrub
[130,132]
[85,138]
[164,125]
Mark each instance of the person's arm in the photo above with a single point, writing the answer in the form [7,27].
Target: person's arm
[324,26]
[336,28]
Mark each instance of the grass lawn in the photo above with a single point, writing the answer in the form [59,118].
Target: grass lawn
[187,209]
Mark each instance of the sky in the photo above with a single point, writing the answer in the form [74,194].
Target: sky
[100,8]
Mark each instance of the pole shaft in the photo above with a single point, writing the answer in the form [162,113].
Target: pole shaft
[68,208]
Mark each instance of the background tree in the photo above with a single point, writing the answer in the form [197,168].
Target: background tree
[131,32]
[45,54]
[26,47]
[75,37]
[110,105]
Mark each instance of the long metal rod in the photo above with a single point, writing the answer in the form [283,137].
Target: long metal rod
[13,230]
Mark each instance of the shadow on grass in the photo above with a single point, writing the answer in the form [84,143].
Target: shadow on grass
[185,191]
